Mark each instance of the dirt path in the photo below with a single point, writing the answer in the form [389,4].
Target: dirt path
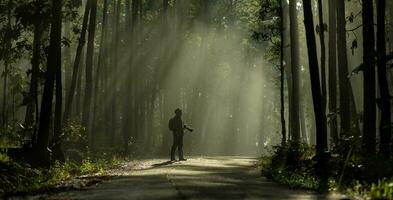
[196,178]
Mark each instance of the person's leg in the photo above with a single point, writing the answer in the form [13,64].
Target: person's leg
[173,149]
[180,146]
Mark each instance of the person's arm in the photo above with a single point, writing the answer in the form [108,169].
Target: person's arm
[188,128]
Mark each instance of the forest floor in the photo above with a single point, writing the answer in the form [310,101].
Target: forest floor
[196,178]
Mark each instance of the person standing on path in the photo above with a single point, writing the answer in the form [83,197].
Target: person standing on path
[177,127]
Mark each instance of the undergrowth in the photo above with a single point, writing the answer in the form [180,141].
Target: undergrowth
[347,170]
[16,177]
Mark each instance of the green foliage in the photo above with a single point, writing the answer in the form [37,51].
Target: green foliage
[20,177]
[11,135]
[294,165]
[382,190]
[294,179]
[74,136]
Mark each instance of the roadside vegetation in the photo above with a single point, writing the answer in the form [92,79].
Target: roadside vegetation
[353,175]
[20,178]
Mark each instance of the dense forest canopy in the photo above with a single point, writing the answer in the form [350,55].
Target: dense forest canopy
[280,78]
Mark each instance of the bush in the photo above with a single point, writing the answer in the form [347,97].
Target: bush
[382,190]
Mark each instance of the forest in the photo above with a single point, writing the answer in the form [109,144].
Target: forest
[269,99]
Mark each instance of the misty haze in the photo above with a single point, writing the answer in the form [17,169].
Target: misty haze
[196,99]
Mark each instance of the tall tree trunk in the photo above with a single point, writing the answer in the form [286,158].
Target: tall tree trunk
[115,57]
[323,53]
[345,113]
[319,112]
[57,151]
[54,62]
[295,125]
[77,61]
[89,70]
[369,106]
[282,97]
[78,90]
[99,66]
[333,70]
[384,103]
[33,95]
[127,119]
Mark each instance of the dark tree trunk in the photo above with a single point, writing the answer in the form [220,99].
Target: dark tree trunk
[115,57]
[295,123]
[127,124]
[77,65]
[369,104]
[282,100]
[33,95]
[79,83]
[384,102]
[345,113]
[323,54]
[89,70]
[54,62]
[333,70]
[98,70]
[319,112]
[57,151]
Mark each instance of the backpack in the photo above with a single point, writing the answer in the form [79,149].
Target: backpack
[171,125]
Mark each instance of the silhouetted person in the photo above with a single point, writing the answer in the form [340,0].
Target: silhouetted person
[177,127]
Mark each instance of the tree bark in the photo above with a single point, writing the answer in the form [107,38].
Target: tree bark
[33,95]
[323,53]
[282,98]
[89,70]
[384,102]
[54,62]
[295,125]
[76,67]
[99,66]
[344,84]
[319,112]
[57,151]
[333,70]
[369,103]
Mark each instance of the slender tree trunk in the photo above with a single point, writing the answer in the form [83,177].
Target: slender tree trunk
[77,61]
[323,53]
[295,125]
[127,121]
[115,58]
[333,70]
[33,95]
[67,59]
[54,62]
[57,151]
[99,66]
[369,104]
[79,83]
[282,97]
[89,70]
[345,113]
[320,117]
[384,103]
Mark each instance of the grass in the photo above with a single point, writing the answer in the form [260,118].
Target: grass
[21,178]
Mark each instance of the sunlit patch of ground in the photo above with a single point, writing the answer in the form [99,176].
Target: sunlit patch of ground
[196,178]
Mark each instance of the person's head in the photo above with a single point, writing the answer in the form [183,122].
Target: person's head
[178,112]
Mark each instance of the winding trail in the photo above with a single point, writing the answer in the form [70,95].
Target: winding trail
[196,178]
